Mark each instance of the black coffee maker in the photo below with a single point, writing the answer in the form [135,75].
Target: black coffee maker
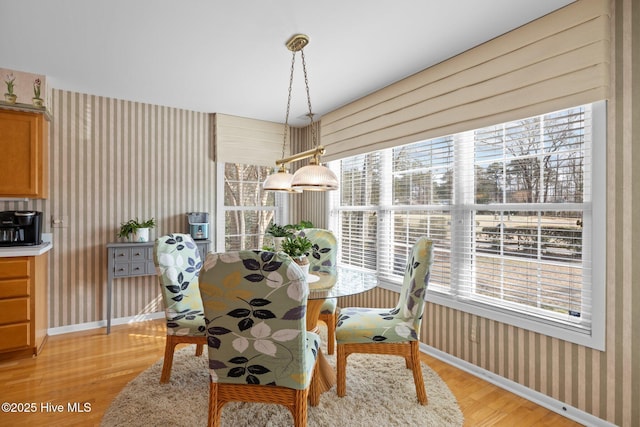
[20,228]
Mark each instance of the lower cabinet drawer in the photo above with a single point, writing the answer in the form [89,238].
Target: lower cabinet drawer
[14,288]
[11,268]
[14,310]
[14,336]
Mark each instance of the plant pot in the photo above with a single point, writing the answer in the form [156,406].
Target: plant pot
[277,243]
[10,98]
[38,102]
[140,235]
[303,263]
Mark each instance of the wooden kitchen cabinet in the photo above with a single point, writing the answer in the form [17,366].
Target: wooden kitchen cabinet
[24,144]
[23,305]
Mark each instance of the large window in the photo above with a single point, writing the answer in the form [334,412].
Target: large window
[515,210]
[246,209]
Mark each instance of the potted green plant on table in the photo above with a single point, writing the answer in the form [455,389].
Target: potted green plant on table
[276,230]
[297,248]
[300,226]
[280,232]
[135,230]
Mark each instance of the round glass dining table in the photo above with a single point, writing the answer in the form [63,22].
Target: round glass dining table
[322,286]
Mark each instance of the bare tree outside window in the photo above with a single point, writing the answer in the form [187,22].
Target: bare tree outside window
[248,208]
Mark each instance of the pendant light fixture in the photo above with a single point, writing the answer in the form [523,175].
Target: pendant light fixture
[313,177]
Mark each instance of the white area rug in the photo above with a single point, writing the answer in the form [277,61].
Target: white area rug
[380,392]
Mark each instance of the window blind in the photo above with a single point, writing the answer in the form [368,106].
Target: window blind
[234,134]
[421,191]
[555,62]
[510,208]
[359,196]
[529,208]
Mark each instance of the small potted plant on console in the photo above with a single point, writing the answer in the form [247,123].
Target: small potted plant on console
[135,230]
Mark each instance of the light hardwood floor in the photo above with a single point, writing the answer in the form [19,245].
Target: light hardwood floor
[91,368]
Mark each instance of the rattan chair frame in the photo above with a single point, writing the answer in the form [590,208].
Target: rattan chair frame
[330,320]
[170,346]
[293,399]
[409,350]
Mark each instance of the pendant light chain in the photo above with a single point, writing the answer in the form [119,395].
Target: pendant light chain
[306,83]
[314,176]
[286,117]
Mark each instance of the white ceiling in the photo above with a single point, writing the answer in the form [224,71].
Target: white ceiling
[229,56]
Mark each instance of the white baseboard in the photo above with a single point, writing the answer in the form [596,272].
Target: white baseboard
[103,323]
[536,397]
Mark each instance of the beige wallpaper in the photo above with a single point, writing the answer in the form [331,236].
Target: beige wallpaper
[112,160]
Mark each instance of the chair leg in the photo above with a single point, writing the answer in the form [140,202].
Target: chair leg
[214,409]
[417,373]
[331,333]
[199,350]
[341,361]
[169,347]
[300,408]
[314,386]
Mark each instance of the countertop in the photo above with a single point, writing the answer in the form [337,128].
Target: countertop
[14,251]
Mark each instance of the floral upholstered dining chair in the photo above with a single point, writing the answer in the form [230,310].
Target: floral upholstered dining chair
[259,348]
[323,258]
[178,264]
[390,331]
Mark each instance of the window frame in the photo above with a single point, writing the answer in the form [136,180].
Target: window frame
[453,298]
[280,208]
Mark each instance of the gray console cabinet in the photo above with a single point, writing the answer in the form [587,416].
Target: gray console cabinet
[134,259]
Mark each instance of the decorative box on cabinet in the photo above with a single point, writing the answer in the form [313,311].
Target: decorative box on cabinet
[134,259]
[23,305]
[24,144]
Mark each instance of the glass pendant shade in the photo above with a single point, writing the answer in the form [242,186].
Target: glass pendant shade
[314,178]
[280,181]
